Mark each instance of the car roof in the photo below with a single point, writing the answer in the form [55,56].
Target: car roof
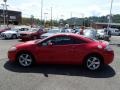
[72,35]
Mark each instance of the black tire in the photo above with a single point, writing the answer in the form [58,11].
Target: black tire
[25,59]
[93,63]
[4,37]
[14,36]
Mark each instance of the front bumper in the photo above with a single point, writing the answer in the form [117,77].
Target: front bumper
[12,56]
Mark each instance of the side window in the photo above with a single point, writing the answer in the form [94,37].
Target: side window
[78,41]
[62,40]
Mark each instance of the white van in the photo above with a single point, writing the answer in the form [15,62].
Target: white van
[115,31]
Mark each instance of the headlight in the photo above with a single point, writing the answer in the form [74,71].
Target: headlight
[108,48]
[13,49]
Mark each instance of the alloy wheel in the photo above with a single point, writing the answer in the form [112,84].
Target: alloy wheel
[25,60]
[14,36]
[93,63]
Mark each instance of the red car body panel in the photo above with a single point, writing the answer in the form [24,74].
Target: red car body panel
[63,54]
[3,30]
[30,35]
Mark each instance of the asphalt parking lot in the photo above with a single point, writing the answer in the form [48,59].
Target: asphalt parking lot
[57,77]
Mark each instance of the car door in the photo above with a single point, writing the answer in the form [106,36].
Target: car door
[79,50]
[69,50]
[63,52]
[44,52]
[57,50]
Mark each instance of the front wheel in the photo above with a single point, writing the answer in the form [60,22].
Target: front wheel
[93,63]
[25,59]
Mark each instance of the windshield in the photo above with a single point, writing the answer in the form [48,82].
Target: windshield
[14,29]
[54,31]
[33,30]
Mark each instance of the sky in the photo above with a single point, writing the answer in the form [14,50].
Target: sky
[63,9]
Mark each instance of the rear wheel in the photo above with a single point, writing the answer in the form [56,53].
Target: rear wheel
[14,36]
[93,63]
[25,59]
[3,37]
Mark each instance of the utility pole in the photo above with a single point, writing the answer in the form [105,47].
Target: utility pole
[3,13]
[6,14]
[51,18]
[110,16]
[41,11]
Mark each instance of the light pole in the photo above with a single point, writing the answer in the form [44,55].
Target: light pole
[110,16]
[7,14]
[3,13]
[45,18]
[4,10]
[41,10]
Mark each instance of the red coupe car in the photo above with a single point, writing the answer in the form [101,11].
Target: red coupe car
[31,34]
[63,49]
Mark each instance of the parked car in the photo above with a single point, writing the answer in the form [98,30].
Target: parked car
[64,48]
[33,33]
[13,33]
[114,31]
[90,33]
[101,34]
[50,33]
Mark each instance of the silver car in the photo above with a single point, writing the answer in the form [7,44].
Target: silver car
[90,33]
[12,34]
[101,33]
[50,33]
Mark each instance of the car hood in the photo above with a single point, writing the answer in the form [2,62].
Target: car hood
[9,32]
[47,34]
[26,32]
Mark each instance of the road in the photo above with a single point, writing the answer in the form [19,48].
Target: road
[57,77]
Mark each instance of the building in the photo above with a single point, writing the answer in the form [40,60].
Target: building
[12,17]
[105,25]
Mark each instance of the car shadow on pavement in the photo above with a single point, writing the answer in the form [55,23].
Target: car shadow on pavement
[68,70]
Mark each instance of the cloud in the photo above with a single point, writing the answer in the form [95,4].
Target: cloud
[63,9]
